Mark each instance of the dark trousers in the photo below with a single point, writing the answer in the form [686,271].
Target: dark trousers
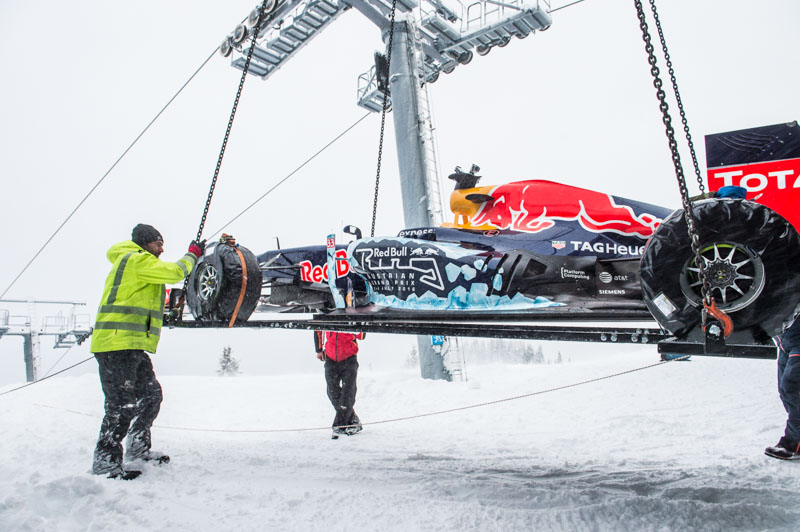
[789,379]
[132,401]
[341,379]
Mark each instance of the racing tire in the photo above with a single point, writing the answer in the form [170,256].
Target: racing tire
[215,285]
[751,256]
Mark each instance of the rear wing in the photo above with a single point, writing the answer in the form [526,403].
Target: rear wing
[764,160]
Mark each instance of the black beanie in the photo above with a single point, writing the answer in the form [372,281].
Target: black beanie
[143,234]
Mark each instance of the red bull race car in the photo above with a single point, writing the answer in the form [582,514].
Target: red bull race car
[527,247]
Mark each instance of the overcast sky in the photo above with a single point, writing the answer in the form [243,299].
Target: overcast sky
[573,104]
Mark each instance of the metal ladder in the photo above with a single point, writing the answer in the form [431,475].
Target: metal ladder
[454,361]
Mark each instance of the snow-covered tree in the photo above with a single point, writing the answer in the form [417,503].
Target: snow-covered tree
[538,356]
[412,361]
[228,365]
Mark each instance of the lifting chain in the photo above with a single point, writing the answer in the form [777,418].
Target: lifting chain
[255,31]
[674,81]
[383,119]
[673,146]
[246,68]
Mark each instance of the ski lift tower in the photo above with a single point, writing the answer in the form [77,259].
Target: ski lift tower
[69,330]
[430,37]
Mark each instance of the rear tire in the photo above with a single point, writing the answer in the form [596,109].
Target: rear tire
[751,257]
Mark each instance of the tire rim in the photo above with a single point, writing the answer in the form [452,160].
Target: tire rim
[207,283]
[735,275]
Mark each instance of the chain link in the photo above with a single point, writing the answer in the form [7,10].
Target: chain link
[674,81]
[383,121]
[676,158]
[246,68]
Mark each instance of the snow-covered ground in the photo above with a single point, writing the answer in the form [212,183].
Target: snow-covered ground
[673,447]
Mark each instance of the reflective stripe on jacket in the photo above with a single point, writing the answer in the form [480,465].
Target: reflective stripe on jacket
[131,310]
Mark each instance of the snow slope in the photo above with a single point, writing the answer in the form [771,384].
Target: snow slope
[673,447]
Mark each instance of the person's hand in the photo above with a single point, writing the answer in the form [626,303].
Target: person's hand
[321,355]
[197,248]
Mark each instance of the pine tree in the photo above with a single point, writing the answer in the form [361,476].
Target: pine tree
[228,365]
[538,357]
[413,359]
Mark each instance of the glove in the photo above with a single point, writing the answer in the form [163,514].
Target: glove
[197,248]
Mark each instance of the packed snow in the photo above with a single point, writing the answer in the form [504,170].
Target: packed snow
[673,446]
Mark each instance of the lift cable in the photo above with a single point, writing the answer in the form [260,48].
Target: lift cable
[564,6]
[290,174]
[245,70]
[707,296]
[383,118]
[47,377]
[46,373]
[405,418]
[124,153]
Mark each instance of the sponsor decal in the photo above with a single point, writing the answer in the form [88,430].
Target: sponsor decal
[566,273]
[315,273]
[775,184]
[606,277]
[535,205]
[612,292]
[492,232]
[559,244]
[395,268]
[420,252]
[416,233]
[610,248]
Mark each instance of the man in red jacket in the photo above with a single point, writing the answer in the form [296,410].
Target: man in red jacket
[338,350]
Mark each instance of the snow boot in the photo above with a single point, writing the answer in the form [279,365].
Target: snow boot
[337,431]
[353,429]
[784,450]
[355,426]
[152,457]
[125,474]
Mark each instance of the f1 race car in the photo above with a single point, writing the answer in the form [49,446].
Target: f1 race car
[529,246]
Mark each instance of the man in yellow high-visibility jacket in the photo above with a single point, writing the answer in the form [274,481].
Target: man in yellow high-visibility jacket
[128,326]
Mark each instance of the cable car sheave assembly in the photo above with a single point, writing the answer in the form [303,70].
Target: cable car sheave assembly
[716,275]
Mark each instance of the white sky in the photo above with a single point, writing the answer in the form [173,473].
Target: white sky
[574,103]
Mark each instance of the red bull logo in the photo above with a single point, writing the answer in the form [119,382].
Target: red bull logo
[319,273]
[535,205]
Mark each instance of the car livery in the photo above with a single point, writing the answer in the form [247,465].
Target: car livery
[507,254]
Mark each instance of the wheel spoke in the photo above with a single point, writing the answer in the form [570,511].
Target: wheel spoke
[721,293]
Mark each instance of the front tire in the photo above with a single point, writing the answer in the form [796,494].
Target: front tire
[750,257]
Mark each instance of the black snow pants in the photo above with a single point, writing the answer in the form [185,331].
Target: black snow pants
[341,379]
[789,379]
[132,402]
